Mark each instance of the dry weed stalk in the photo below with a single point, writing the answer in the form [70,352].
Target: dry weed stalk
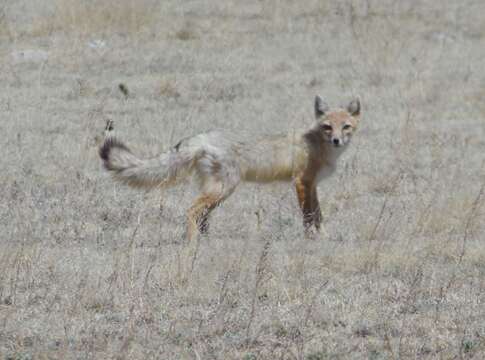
[300,340]
[469,219]
[373,263]
[261,275]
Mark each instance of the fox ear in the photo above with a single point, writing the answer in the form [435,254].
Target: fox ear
[354,107]
[321,107]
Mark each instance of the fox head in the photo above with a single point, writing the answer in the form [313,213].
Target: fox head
[337,126]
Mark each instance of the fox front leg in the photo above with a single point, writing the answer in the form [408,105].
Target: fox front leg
[317,213]
[308,200]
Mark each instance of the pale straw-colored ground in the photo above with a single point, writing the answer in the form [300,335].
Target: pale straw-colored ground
[92,270]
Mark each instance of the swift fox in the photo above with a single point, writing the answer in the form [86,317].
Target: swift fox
[221,160]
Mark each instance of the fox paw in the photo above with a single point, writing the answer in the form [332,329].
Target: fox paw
[313,233]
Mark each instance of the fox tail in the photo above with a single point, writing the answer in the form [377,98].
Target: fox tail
[160,171]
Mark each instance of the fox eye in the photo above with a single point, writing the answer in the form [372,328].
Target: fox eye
[346,127]
[326,127]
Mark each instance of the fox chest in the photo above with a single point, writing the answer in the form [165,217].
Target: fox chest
[324,163]
[325,171]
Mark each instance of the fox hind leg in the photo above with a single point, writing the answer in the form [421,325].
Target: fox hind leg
[218,179]
[198,215]
[196,218]
[204,223]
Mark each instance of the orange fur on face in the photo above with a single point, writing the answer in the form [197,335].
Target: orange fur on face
[338,125]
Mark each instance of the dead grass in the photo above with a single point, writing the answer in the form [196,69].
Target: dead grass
[168,88]
[101,17]
[91,269]
[4,26]
[186,33]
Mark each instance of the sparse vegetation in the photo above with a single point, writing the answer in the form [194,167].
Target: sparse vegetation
[168,88]
[186,33]
[91,269]
[100,17]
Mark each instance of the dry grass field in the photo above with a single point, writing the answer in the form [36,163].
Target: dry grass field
[90,269]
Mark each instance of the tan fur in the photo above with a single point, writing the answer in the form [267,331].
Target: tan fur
[221,160]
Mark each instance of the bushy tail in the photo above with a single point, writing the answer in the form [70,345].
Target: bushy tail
[162,170]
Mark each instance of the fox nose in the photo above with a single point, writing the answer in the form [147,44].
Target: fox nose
[336,141]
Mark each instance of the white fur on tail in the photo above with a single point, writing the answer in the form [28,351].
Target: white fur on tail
[162,170]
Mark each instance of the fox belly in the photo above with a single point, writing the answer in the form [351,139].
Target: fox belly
[265,173]
[279,165]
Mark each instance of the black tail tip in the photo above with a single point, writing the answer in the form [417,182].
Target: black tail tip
[108,144]
[105,149]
